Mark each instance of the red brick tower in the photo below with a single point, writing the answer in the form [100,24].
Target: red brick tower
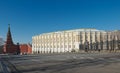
[9,46]
[9,37]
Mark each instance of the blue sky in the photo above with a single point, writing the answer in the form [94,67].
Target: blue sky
[33,17]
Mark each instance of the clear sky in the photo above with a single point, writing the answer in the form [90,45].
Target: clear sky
[33,17]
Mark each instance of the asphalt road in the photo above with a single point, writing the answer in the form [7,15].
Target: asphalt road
[64,63]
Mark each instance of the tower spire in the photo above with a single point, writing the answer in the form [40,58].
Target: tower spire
[9,37]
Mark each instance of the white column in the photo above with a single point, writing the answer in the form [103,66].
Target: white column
[67,49]
[52,44]
[59,43]
[63,41]
[71,41]
[56,43]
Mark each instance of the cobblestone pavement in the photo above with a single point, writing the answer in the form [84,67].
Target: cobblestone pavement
[65,63]
[3,67]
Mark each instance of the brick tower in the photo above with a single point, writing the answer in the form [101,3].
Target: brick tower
[9,46]
[9,37]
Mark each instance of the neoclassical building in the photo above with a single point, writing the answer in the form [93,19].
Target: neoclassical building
[75,41]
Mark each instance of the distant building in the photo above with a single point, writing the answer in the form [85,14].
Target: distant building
[25,49]
[11,48]
[75,41]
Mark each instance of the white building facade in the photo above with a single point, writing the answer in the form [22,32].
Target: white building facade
[74,41]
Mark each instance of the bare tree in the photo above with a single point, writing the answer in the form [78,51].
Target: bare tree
[1,41]
[90,40]
[107,43]
[101,41]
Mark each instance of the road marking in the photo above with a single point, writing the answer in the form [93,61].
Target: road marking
[90,58]
[82,57]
